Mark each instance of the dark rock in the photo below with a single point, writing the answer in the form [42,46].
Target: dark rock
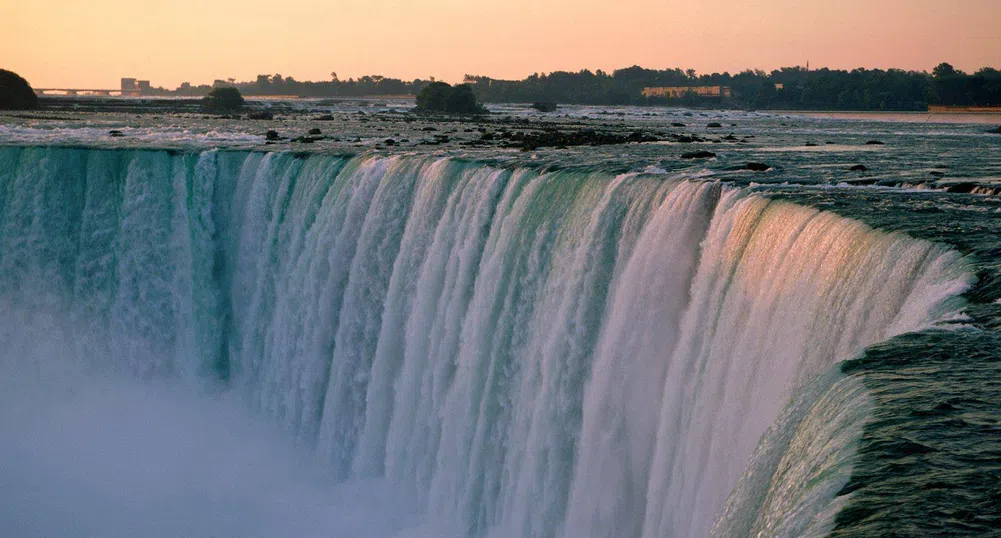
[686,139]
[390,142]
[271,135]
[757,167]
[545,106]
[698,155]
[811,145]
[677,125]
[325,117]
[639,136]
[586,137]
[429,129]
[964,188]
[730,138]
[114,133]
[858,168]
[936,173]
[995,131]
[261,115]
[315,131]
[874,143]
[714,125]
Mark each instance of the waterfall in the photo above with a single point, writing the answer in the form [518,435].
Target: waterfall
[533,352]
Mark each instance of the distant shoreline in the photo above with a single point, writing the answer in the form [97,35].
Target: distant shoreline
[978,118]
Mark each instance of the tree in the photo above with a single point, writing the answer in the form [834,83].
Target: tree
[223,101]
[944,70]
[443,97]
[16,93]
[988,72]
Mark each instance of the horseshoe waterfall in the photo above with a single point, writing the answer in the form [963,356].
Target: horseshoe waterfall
[422,346]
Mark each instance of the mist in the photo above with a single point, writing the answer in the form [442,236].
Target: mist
[99,454]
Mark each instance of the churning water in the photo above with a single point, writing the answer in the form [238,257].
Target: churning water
[234,343]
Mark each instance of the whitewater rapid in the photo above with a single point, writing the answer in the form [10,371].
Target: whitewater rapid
[532,353]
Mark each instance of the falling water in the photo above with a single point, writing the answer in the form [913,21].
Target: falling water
[534,353]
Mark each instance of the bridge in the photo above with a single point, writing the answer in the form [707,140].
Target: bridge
[76,91]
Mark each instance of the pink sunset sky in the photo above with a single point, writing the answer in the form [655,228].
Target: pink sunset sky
[93,43]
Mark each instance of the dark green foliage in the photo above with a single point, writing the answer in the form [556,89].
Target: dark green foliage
[945,70]
[442,97]
[223,101]
[787,88]
[952,87]
[792,88]
[16,93]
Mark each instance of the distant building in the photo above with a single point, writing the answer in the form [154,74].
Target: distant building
[129,87]
[134,88]
[677,92]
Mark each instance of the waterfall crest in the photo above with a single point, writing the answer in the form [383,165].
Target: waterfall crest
[536,353]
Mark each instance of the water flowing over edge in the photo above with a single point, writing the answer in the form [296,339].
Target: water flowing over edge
[535,353]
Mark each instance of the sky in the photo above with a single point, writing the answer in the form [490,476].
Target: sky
[94,43]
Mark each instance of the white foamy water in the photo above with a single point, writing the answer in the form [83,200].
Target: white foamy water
[421,345]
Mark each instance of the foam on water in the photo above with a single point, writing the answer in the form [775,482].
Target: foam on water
[512,352]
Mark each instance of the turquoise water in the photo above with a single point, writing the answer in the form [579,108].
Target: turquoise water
[432,345]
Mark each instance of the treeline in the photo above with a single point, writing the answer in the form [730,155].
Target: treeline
[277,85]
[786,88]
